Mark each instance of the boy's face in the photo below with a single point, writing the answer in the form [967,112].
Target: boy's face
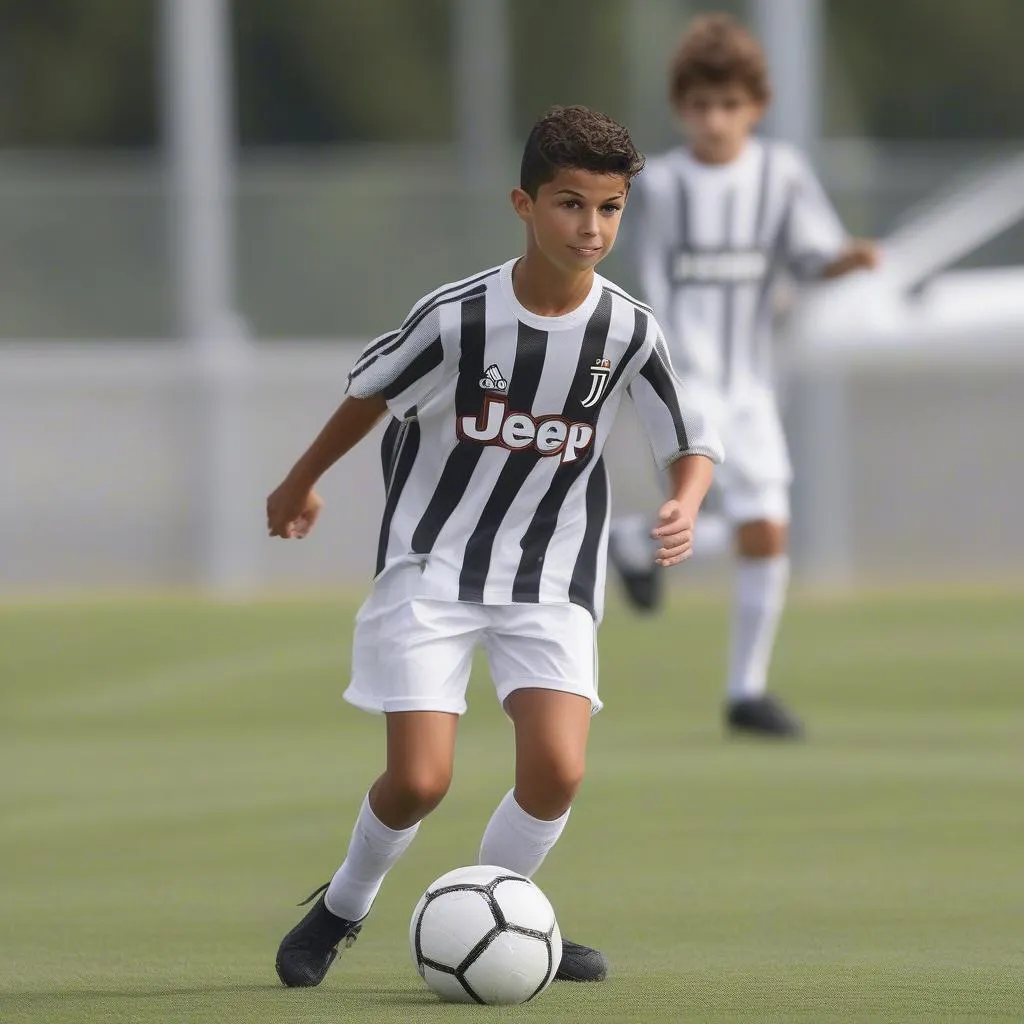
[718,119]
[575,217]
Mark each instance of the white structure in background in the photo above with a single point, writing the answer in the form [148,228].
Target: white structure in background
[791,32]
[905,403]
[124,464]
[200,144]
[912,315]
[199,139]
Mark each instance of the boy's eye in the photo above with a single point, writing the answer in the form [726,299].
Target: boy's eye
[570,203]
[611,207]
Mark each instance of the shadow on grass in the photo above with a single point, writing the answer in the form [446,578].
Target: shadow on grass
[368,994]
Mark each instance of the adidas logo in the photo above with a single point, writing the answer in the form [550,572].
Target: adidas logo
[492,380]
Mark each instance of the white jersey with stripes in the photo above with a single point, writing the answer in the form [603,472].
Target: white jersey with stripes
[495,484]
[710,243]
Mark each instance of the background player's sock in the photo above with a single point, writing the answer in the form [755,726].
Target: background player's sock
[633,547]
[632,543]
[760,596]
[373,850]
[516,840]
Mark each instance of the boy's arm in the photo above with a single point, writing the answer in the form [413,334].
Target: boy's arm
[398,372]
[293,507]
[817,246]
[859,254]
[684,441]
[691,477]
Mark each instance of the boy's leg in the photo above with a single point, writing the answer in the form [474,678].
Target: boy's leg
[761,582]
[544,663]
[420,753]
[755,495]
[551,729]
[631,552]
[631,549]
[411,661]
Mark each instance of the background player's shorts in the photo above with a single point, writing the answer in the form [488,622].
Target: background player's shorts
[412,653]
[753,481]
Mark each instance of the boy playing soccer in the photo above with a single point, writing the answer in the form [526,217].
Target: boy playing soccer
[719,221]
[501,390]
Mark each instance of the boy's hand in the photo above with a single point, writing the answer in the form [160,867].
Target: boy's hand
[675,531]
[859,254]
[292,510]
[864,254]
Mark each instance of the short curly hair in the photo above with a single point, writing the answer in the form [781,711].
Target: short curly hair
[578,138]
[718,50]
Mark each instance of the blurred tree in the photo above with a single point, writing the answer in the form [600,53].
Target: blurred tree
[309,72]
[567,52]
[322,71]
[85,72]
[928,69]
[77,73]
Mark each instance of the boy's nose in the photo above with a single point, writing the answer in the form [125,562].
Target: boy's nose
[716,120]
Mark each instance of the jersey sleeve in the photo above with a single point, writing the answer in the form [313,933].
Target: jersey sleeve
[406,367]
[673,421]
[814,234]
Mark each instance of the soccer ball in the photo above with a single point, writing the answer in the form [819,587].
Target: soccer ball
[482,934]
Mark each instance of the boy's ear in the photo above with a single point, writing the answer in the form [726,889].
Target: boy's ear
[522,204]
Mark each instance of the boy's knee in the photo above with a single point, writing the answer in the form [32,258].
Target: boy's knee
[427,788]
[414,794]
[762,538]
[548,790]
[567,778]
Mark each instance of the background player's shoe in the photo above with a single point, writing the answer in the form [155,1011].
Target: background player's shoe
[632,555]
[581,963]
[311,946]
[763,716]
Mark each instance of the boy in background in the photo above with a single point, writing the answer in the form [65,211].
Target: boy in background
[717,223]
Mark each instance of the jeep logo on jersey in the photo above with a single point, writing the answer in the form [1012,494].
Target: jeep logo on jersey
[599,373]
[549,436]
[727,266]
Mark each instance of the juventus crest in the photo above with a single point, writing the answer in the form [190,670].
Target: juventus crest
[599,374]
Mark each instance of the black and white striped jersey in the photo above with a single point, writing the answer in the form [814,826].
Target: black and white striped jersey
[710,242]
[493,471]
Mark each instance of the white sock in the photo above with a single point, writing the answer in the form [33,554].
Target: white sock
[760,596]
[634,545]
[516,840]
[372,852]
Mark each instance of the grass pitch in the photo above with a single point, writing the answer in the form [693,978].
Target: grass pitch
[177,775]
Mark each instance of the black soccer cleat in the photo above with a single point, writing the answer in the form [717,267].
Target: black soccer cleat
[762,716]
[642,586]
[310,948]
[581,963]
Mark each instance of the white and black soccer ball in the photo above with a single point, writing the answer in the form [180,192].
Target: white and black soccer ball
[482,934]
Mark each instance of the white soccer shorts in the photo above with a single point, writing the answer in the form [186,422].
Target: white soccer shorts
[754,479]
[412,653]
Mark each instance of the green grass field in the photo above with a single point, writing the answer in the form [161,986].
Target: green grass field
[177,775]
